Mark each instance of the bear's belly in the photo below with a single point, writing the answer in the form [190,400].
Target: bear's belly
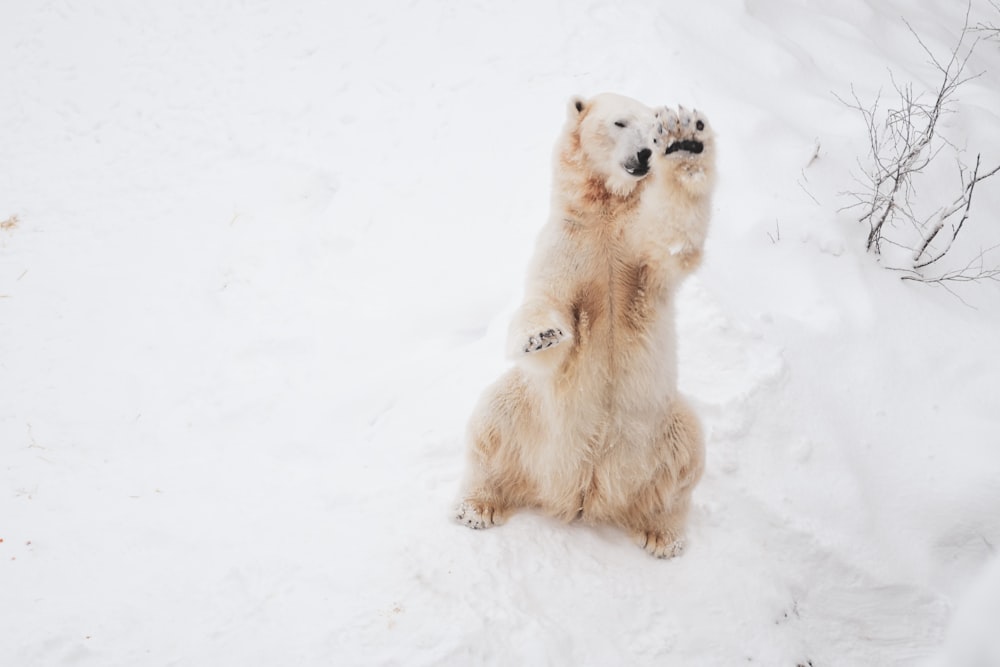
[616,371]
[608,430]
[594,474]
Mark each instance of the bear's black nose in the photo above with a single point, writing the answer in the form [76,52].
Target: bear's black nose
[644,155]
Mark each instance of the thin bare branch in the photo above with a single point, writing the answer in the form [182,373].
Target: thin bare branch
[989,30]
[963,203]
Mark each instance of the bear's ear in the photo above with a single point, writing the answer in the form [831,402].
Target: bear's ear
[577,105]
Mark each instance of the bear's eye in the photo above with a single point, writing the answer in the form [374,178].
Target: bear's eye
[620,123]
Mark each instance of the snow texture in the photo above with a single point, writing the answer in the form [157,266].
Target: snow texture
[257,261]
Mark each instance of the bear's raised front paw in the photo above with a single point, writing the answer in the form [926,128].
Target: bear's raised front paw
[477,515]
[660,545]
[681,132]
[543,340]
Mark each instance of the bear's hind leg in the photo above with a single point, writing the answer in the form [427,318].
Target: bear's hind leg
[496,486]
[660,511]
[496,482]
[486,500]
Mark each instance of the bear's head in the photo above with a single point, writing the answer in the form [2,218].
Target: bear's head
[610,137]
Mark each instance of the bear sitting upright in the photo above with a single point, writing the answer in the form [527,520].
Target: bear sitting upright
[589,424]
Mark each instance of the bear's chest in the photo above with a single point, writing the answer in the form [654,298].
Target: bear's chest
[619,304]
[623,358]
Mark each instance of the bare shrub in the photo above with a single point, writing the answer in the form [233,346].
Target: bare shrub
[904,144]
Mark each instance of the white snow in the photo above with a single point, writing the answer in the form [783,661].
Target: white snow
[261,267]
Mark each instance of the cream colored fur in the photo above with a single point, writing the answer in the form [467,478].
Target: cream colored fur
[588,424]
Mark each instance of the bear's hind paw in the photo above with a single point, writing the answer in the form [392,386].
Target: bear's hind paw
[478,515]
[661,545]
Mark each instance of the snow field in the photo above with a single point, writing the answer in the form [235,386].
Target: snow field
[262,266]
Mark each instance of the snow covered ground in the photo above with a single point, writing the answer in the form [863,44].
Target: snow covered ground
[256,264]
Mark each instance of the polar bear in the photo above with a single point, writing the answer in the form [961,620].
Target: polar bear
[588,423]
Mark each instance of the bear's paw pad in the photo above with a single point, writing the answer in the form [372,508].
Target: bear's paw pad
[681,131]
[544,339]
